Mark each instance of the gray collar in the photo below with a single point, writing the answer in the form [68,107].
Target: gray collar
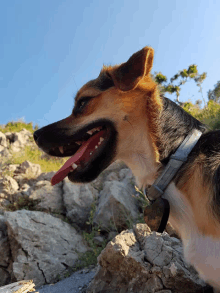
[176,160]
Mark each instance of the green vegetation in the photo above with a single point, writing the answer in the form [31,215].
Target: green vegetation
[210,114]
[23,202]
[36,156]
[183,76]
[90,257]
[16,126]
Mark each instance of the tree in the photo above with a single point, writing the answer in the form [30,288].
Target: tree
[215,93]
[184,75]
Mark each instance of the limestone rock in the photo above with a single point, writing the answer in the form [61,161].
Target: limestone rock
[4,153]
[29,168]
[4,278]
[50,196]
[5,255]
[3,140]
[25,189]
[116,206]
[78,200]
[142,261]
[42,246]
[4,244]
[46,176]
[8,185]
[25,286]
[19,139]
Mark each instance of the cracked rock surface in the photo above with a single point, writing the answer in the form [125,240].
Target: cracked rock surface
[139,260]
[42,246]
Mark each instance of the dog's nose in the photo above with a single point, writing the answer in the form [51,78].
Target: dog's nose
[36,135]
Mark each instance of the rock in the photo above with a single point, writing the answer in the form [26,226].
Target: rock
[46,176]
[42,246]
[8,185]
[5,255]
[4,153]
[12,167]
[4,278]
[112,176]
[3,140]
[124,173]
[50,196]
[25,189]
[98,240]
[19,287]
[142,261]
[3,203]
[4,244]
[18,140]
[78,200]
[116,206]
[29,168]
[112,235]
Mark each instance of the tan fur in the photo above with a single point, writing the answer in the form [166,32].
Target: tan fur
[199,197]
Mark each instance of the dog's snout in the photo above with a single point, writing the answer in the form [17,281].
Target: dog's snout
[36,136]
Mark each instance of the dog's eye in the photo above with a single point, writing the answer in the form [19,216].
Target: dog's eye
[81,104]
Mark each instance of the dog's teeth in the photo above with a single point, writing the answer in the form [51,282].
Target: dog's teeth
[96,147]
[90,132]
[61,149]
[74,166]
[101,139]
[99,143]
[78,142]
[91,153]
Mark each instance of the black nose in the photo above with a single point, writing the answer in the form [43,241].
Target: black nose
[36,135]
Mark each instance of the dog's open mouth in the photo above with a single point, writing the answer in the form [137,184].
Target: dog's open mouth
[83,152]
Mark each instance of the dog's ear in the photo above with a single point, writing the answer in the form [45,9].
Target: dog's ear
[127,76]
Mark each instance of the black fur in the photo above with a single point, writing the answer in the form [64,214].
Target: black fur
[174,125]
[103,82]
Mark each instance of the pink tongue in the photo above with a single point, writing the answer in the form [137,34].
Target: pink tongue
[67,167]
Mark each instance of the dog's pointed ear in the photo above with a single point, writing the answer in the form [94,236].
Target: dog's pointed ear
[127,76]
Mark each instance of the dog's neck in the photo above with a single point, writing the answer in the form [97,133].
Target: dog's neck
[174,124]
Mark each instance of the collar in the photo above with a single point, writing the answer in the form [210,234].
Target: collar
[161,183]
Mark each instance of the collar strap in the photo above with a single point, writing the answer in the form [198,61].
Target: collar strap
[176,160]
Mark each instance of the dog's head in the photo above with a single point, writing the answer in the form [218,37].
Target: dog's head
[108,118]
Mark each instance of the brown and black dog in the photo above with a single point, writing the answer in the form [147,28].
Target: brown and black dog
[121,115]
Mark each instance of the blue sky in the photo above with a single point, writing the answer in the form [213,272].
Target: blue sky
[50,48]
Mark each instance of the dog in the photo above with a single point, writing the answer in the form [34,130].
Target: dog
[121,115]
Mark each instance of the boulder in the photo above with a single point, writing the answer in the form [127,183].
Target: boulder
[78,200]
[3,140]
[25,286]
[46,176]
[8,185]
[28,168]
[42,246]
[18,140]
[117,207]
[4,244]
[5,254]
[138,260]
[50,196]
